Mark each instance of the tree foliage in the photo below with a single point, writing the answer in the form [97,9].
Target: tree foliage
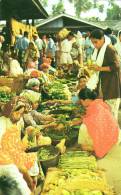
[58,8]
[114,13]
[101,8]
[81,5]
[44,3]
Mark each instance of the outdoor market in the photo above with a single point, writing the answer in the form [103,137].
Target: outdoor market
[60,109]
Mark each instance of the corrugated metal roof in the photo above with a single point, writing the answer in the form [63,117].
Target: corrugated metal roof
[46,21]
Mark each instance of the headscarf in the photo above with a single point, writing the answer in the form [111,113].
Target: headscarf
[15,104]
[35,73]
[32,83]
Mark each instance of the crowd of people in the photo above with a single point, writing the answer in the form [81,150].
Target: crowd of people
[42,60]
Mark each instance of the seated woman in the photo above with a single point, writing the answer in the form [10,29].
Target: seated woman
[11,66]
[12,149]
[32,94]
[99,131]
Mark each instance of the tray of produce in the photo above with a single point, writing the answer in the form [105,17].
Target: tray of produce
[71,182]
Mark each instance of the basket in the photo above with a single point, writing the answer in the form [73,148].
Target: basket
[16,84]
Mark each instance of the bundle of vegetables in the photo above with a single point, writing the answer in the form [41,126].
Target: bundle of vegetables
[59,108]
[77,160]
[71,182]
[5,96]
[57,90]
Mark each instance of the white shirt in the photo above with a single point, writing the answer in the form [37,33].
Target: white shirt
[39,43]
[66,46]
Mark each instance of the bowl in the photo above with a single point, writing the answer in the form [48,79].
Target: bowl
[51,161]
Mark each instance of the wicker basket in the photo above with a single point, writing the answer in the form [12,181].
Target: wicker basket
[16,84]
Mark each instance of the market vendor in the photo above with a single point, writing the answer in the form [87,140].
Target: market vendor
[99,130]
[45,69]
[32,94]
[81,84]
[11,146]
[11,66]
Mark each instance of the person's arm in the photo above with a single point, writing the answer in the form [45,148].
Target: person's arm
[114,63]
[100,69]
[29,121]
[76,122]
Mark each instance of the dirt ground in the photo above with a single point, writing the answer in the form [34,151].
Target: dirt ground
[112,165]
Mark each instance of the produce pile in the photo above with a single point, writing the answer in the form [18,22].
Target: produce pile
[46,153]
[5,96]
[63,115]
[57,90]
[77,160]
[56,136]
[77,175]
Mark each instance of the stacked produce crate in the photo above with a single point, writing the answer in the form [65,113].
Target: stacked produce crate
[77,174]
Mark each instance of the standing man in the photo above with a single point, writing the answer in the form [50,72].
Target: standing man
[22,45]
[39,43]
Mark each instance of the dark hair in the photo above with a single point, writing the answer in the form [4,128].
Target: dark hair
[26,34]
[8,186]
[97,34]
[20,31]
[108,31]
[82,77]
[71,34]
[87,94]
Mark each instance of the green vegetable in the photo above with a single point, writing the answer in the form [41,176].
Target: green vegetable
[5,97]
[46,154]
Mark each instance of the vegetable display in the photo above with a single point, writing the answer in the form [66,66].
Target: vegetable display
[76,181]
[5,97]
[46,153]
[77,160]
[57,90]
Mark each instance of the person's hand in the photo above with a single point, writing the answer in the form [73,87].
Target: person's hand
[94,67]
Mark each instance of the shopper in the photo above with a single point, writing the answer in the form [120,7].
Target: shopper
[99,130]
[107,68]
